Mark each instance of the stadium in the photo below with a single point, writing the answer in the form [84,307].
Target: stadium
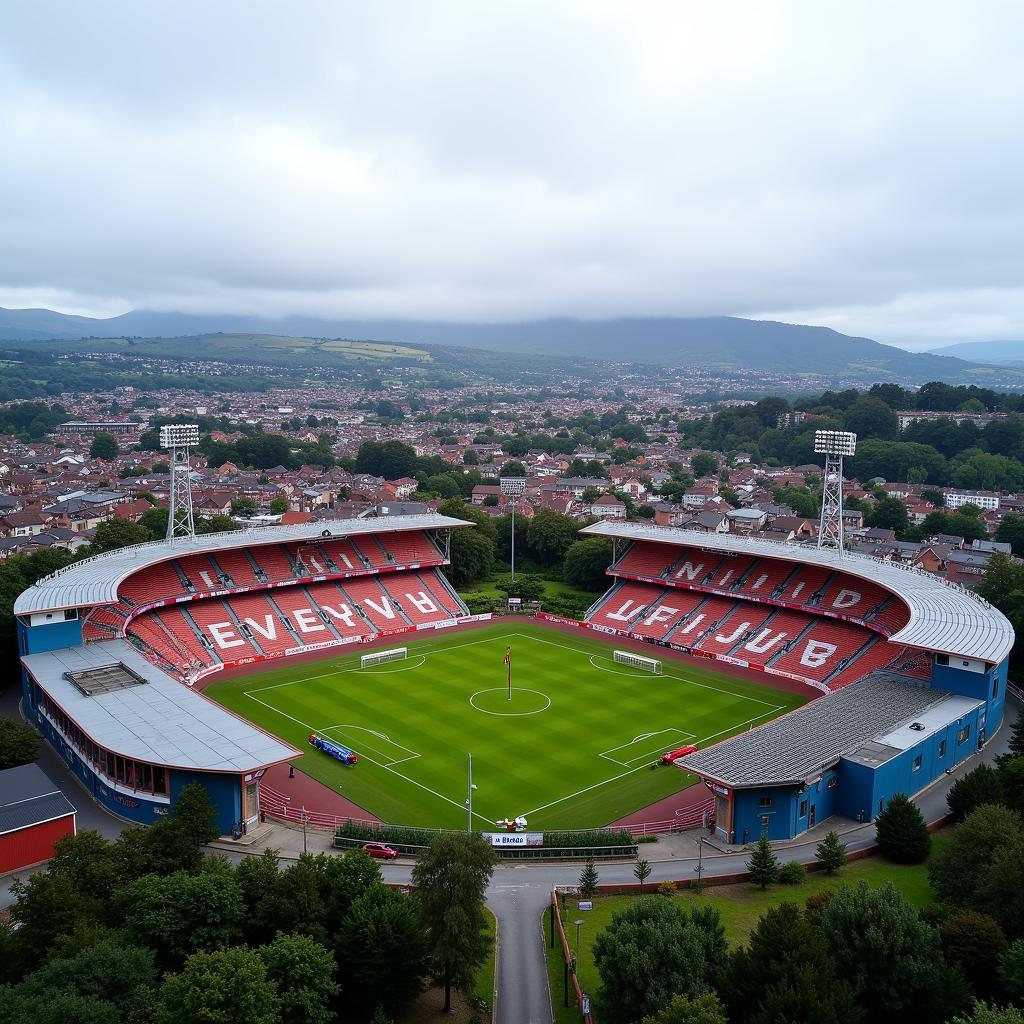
[811,683]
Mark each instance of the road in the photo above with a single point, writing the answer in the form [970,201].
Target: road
[519,892]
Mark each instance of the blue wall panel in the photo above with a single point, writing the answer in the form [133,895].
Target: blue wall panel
[53,636]
[225,792]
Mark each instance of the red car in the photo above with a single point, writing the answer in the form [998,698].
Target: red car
[380,850]
[669,757]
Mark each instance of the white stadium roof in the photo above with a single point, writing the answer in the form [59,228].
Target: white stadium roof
[159,720]
[944,617]
[94,581]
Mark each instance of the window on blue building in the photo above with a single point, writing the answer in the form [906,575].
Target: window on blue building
[766,801]
[766,820]
[995,687]
[961,736]
[942,748]
[803,809]
[917,763]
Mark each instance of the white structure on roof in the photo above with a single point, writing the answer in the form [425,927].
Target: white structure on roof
[95,581]
[161,721]
[944,617]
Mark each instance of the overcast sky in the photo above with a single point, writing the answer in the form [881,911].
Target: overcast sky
[850,164]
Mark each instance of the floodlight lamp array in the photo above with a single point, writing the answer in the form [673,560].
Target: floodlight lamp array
[179,435]
[835,442]
[513,485]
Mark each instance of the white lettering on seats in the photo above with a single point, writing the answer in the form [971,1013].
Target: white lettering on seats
[384,609]
[206,578]
[268,631]
[423,603]
[314,564]
[627,611]
[689,570]
[846,599]
[761,581]
[692,624]
[660,614]
[343,613]
[347,561]
[308,621]
[725,577]
[795,592]
[816,653]
[734,635]
[764,642]
[224,635]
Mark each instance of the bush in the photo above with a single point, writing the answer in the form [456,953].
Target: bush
[815,906]
[666,888]
[831,853]
[792,873]
[645,839]
[977,787]
[901,831]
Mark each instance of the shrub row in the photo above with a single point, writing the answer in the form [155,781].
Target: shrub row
[400,835]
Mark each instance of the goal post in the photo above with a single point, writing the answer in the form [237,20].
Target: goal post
[379,657]
[651,665]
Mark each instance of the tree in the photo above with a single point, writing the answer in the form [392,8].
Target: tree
[344,880]
[388,459]
[642,871]
[831,853]
[1011,782]
[279,505]
[55,1009]
[705,1009]
[19,744]
[878,943]
[586,562]
[588,879]
[118,533]
[979,786]
[888,514]
[763,865]
[982,1013]
[243,506]
[871,418]
[650,952]
[786,963]
[901,832]
[383,948]
[470,458]
[703,464]
[449,883]
[105,970]
[104,446]
[303,973]
[974,943]
[472,551]
[550,534]
[1011,972]
[513,468]
[1011,531]
[959,868]
[181,913]
[223,987]
[195,816]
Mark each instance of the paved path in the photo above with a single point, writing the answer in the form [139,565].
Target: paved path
[519,893]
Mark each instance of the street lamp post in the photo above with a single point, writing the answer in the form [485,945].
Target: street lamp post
[469,797]
[700,861]
[514,487]
[576,961]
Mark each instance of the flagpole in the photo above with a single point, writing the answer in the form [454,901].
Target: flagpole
[508,663]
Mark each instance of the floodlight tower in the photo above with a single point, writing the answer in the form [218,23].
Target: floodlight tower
[515,487]
[177,438]
[833,444]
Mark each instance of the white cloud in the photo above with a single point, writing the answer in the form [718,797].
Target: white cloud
[853,165]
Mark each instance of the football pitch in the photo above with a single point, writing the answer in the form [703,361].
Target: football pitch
[572,749]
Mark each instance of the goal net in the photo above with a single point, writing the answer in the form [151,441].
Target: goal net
[379,657]
[638,661]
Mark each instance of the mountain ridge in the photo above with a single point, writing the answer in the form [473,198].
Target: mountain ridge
[728,343]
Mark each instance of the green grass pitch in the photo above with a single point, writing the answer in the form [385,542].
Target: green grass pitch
[572,749]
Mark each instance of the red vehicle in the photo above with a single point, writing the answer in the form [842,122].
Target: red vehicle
[380,850]
[671,755]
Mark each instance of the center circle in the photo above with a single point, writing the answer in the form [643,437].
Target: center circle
[523,702]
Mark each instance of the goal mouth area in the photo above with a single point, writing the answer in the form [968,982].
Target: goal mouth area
[637,661]
[382,657]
